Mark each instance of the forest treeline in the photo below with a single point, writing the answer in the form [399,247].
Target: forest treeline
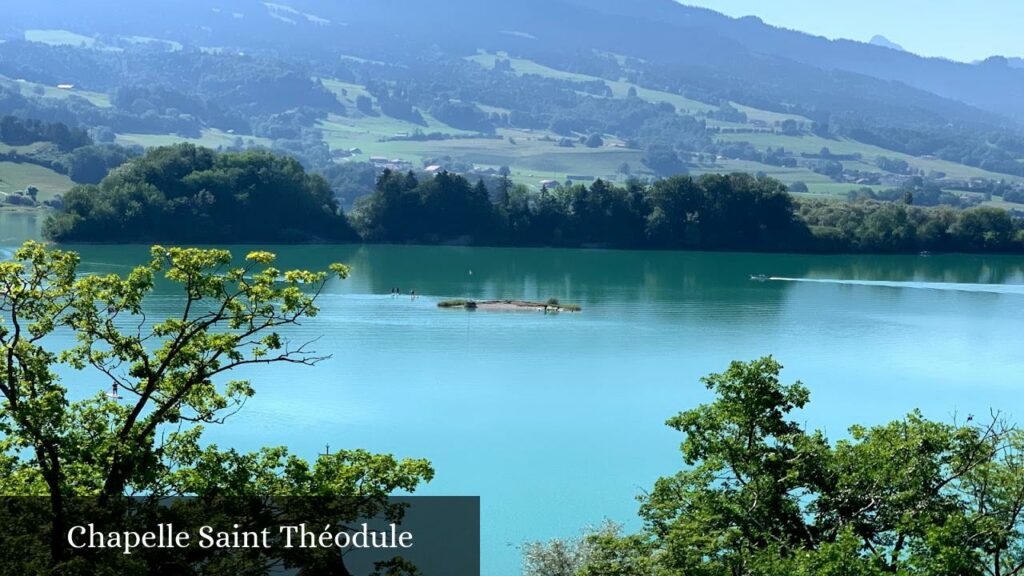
[184,193]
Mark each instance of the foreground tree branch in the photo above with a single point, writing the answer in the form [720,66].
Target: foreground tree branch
[232,315]
[762,496]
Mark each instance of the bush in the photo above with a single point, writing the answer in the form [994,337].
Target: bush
[454,304]
[1016,196]
[19,200]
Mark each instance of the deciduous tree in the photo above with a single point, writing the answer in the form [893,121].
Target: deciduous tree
[169,378]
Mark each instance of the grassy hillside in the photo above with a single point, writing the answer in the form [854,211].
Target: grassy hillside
[534,155]
[531,154]
[808,143]
[59,37]
[32,88]
[620,89]
[15,177]
[211,138]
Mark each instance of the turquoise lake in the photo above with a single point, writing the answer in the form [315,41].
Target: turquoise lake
[556,421]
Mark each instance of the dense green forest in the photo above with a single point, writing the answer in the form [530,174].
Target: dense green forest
[712,212]
[190,194]
[185,193]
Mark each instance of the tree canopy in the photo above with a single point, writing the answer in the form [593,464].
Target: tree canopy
[763,496]
[185,193]
[170,379]
[711,212]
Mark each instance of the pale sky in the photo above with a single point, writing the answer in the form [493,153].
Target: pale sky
[963,30]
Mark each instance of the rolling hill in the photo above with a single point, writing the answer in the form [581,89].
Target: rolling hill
[552,89]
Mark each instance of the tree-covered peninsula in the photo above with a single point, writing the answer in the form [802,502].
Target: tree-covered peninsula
[186,193]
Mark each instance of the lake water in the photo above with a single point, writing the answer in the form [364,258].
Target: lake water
[556,421]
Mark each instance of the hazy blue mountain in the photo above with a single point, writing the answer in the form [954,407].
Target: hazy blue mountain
[679,38]
[995,88]
[879,40]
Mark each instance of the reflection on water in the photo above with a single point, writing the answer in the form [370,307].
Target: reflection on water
[18,225]
[959,287]
[945,268]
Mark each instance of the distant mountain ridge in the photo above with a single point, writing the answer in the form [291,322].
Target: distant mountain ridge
[659,30]
[996,89]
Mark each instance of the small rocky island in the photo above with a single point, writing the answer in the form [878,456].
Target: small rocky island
[552,306]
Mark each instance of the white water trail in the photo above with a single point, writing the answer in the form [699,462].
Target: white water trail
[946,286]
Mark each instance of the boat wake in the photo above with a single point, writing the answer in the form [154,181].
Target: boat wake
[945,286]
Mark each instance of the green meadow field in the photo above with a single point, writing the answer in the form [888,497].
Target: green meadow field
[211,138]
[811,144]
[56,37]
[24,87]
[15,177]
